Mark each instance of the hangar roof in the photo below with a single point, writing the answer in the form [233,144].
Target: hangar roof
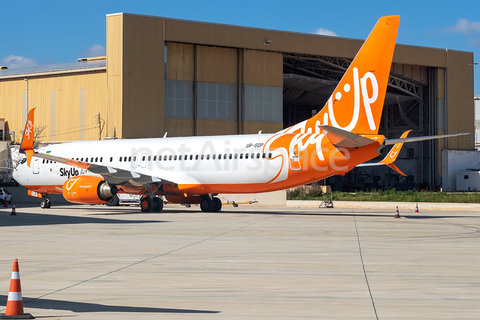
[79,66]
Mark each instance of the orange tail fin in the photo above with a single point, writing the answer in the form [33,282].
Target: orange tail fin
[356,104]
[27,140]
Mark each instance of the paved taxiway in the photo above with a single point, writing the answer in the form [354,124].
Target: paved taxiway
[97,262]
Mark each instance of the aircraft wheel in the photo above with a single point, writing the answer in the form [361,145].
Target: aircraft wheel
[206,205]
[113,202]
[158,204]
[217,205]
[146,204]
[43,204]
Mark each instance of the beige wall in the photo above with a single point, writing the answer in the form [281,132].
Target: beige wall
[263,68]
[180,61]
[11,104]
[66,105]
[459,97]
[136,72]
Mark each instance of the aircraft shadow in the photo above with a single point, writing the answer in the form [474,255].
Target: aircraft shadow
[32,219]
[82,307]
[346,214]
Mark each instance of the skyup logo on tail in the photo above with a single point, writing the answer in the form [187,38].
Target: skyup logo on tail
[368,80]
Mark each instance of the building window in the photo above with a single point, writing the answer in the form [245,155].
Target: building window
[178,99]
[216,101]
[263,103]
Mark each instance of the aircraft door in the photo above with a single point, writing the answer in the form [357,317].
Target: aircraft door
[294,156]
[36,166]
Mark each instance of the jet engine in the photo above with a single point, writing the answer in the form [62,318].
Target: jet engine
[88,189]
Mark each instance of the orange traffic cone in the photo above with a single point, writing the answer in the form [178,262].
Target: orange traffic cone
[14,213]
[416,209]
[15,301]
[397,214]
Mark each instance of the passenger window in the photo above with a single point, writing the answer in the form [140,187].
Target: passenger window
[270,155]
[219,157]
[246,155]
[101,159]
[170,158]
[196,157]
[43,161]
[175,157]
[154,158]
[213,157]
[143,158]
[230,156]
[258,155]
[129,159]
[263,155]
[96,159]
[252,156]
[191,157]
[111,159]
[208,156]
[236,155]
[135,158]
[120,159]
[201,157]
[149,158]
[185,158]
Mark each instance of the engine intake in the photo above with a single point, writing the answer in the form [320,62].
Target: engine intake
[88,189]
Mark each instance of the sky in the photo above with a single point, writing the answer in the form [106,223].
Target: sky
[48,32]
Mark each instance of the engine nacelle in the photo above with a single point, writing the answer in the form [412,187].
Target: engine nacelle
[88,189]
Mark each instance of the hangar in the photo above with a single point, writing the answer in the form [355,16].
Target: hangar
[193,78]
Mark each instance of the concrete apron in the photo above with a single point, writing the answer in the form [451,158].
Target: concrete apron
[427,206]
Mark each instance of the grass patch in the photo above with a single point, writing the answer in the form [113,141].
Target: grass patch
[389,196]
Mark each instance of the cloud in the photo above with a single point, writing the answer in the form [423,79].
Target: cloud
[97,50]
[13,61]
[475,41]
[325,32]
[464,26]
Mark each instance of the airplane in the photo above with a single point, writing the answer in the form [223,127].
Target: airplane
[49,176]
[193,170]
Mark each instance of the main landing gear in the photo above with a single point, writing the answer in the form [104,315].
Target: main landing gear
[46,203]
[210,204]
[151,204]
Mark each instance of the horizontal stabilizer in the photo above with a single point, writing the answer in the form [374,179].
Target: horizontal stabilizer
[406,140]
[344,139]
[390,157]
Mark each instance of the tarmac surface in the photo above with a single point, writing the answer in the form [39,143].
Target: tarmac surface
[98,262]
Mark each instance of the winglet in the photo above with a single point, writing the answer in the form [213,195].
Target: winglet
[393,154]
[27,140]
